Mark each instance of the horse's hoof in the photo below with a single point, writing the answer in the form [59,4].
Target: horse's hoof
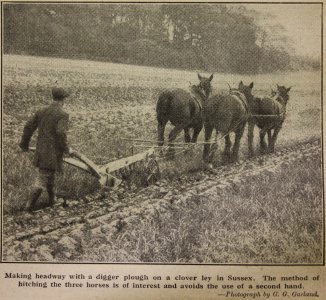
[206,158]
[263,151]
[207,161]
[234,159]
[226,158]
[251,153]
[209,166]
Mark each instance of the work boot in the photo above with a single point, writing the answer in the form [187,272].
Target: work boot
[30,205]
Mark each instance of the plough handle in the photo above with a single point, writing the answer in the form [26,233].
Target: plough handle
[93,167]
[84,163]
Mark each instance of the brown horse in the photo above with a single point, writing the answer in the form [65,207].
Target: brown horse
[226,113]
[183,109]
[268,114]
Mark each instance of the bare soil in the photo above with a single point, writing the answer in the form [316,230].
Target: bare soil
[59,233]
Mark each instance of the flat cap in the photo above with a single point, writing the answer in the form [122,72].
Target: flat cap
[59,93]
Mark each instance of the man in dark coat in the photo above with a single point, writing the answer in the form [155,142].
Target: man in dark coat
[52,125]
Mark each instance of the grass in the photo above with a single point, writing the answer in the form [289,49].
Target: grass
[274,219]
[19,177]
[113,101]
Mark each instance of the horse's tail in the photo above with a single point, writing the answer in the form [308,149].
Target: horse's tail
[163,106]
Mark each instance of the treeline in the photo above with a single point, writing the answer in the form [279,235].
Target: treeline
[217,37]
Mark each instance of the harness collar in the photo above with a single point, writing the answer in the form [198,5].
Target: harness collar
[241,96]
[280,100]
[278,97]
[195,95]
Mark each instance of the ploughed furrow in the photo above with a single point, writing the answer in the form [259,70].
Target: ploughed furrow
[57,233]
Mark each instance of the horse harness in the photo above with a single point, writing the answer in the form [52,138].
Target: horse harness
[281,115]
[241,97]
[277,98]
[194,96]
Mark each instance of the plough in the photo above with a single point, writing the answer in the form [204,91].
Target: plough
[104,172]
[148,160]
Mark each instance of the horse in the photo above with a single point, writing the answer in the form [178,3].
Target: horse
[184,110]
[225,113]
[268,114]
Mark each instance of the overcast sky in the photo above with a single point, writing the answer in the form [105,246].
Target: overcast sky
[302,23]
